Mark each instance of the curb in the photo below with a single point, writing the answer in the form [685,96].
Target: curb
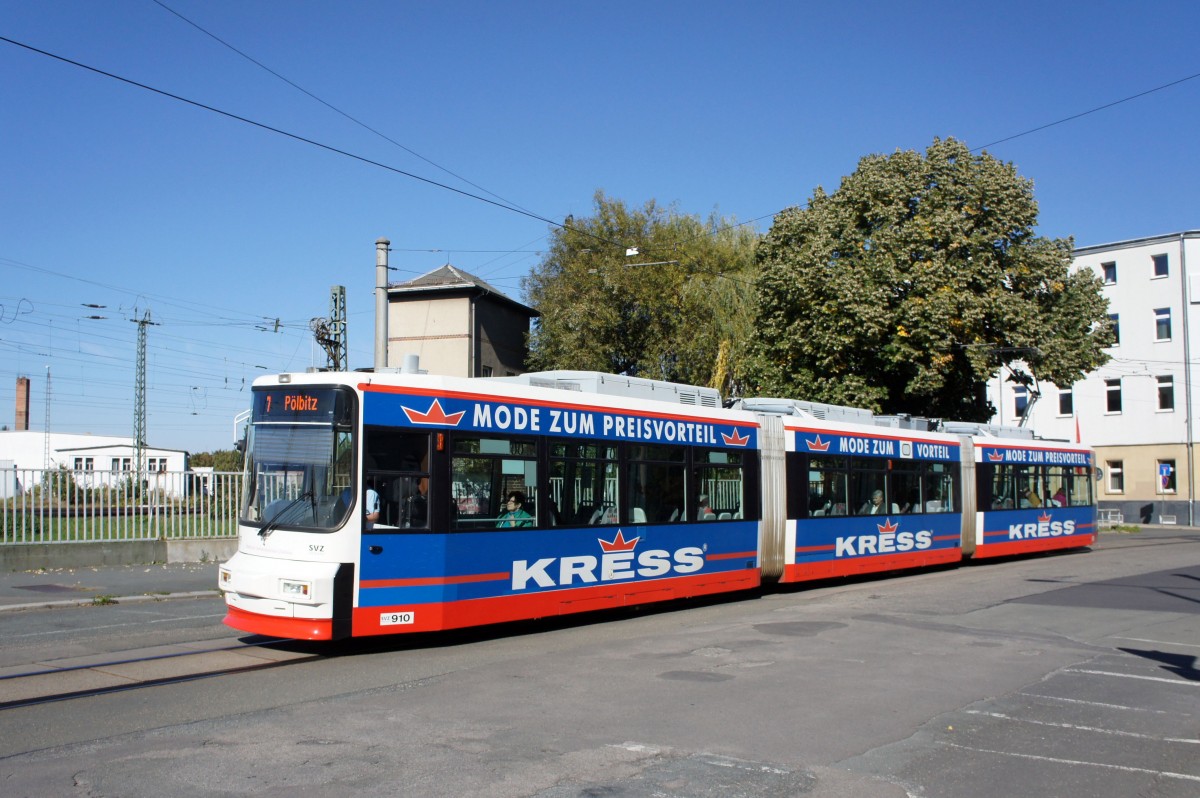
[91,602]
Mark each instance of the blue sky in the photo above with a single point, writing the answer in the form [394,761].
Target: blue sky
[117,196]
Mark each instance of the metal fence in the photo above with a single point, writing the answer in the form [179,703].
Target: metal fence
[68,506]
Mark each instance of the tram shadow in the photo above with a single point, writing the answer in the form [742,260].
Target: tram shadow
[1183,665]
[449,638]
[551,623]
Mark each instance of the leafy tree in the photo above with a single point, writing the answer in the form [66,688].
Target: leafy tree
[227,460]
[667,312]
[914,282]
[221,460]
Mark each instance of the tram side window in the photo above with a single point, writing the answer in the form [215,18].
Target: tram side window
[1003,486]
[869,488]
[483,473]
[939,492]
[1031,486]
[583,484]
[719,486]
[828,486]
[656,484]
[905,479]
[1080,492]
[396,467]
[1057,479]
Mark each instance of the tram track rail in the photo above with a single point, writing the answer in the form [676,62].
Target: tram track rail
[133,670]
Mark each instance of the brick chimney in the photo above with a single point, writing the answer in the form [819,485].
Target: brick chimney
[22,403]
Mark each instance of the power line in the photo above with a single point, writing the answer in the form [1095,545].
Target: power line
[279,131]
[132,292]
[1090,111]
[331,107]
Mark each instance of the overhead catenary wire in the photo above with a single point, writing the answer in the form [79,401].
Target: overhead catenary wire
[330,106]
[278,131]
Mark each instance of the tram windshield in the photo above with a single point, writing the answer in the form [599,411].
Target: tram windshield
[299,458]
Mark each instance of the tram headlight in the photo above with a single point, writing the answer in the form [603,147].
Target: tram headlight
[225,578]
[290,587]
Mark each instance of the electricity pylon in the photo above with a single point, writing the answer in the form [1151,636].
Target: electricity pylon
[139,400]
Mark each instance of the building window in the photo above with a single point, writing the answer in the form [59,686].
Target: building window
[1160,265]
[1113,391]
[1166,393]
[1066,402]
[1162,324]
[84,464]
[1116,476]
[1114,320]
[1110,272]
[1166,476]
[485,371]
[1021,398]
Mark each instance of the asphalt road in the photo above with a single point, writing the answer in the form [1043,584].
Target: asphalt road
[1063,675]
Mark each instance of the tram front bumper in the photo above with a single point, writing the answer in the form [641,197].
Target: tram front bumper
[278,588]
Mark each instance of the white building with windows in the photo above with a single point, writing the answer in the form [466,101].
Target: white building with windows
[96,460]
[1138,410]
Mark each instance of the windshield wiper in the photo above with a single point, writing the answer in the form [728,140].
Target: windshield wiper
[273,524]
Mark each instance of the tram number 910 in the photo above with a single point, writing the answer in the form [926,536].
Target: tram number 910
[397,618]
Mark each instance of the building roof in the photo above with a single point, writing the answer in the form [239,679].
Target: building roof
[449,279]
[128,446]
[1136,242]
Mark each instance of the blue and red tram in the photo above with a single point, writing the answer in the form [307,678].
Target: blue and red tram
[376,503]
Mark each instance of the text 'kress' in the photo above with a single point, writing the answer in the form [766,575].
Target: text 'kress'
[1044,528]
[617,562]
[888,541]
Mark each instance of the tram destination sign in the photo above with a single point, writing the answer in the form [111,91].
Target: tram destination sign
[302,403]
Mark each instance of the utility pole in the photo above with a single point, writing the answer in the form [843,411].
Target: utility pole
[381,303]
[337,328]
[46,442]
[139,400]
[330,333]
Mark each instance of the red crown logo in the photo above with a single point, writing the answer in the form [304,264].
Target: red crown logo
[1044,518]
[619,543]
[435,415]
[818,445]
[996,457]
[887,527]
[736,439]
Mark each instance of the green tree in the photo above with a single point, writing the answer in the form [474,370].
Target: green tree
[221,460]
[227,460]
[200,460]
[916,281]
[667,312]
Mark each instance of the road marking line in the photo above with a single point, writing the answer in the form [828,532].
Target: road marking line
[1116,732]
[1164,773]
[1179,682]
[1159,642]
[1096,703]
